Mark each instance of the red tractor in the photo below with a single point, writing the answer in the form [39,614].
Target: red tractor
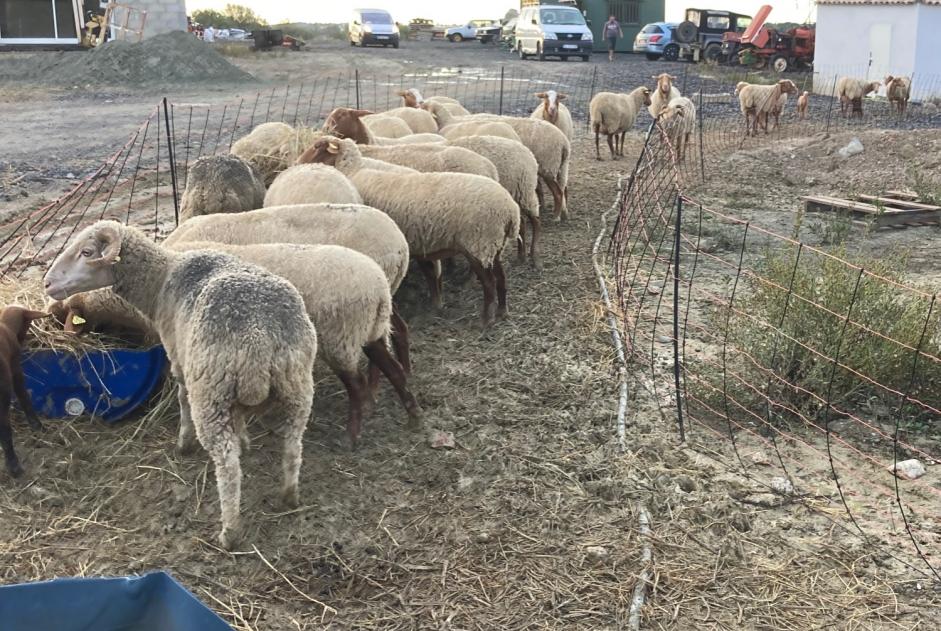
[760,46]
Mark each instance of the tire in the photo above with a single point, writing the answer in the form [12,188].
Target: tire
[457,38]
[539,54]
[671,52]
[712,53]
[779,63]
[395,44]
[519,50]
[652,56]
[586,57]
[352,43]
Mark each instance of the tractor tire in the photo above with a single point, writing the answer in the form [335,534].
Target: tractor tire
[652,56]
[779,63]
[671,52]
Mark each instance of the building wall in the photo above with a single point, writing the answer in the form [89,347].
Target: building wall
[927,79]
[599,10]
[162,15]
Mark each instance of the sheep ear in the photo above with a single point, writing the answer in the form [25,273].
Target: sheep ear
[541,95]
[29,314]
[359,113]
[402,93]
[74,322]
[561,96]
[110,241]
[672,78]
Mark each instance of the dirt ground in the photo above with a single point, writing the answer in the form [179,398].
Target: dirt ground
[530,522]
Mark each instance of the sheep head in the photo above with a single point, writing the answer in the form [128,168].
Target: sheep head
[325,151]
[412,97]
[88,262]
[664,82]
[787,86]
[646,92]
[551,100]
[872,86]
[344,122]
[18,319]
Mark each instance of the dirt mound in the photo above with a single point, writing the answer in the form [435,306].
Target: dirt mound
[164,59]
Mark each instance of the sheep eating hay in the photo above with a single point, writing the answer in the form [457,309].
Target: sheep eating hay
[311,184]
[433,158]
[220,184]
[345,122]
[272,147]
[238,338]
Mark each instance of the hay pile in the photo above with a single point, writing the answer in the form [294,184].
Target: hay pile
[168,58]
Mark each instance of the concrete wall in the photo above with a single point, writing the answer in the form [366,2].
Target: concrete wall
[927,79]
[162,15]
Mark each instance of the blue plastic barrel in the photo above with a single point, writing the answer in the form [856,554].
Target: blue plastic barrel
[106,384]
[153,602]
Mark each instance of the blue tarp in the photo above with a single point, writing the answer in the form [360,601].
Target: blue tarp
[153,602]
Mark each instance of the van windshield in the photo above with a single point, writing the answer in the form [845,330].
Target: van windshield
[376,18]
[567,17]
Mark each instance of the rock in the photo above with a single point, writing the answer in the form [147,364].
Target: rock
[851,149]
[930,109]
[596,554]
[761,458]
[811,181]
[740,522]
[782,486]
[438,439]
[482,537]
[664,339]
[908,469]
[686,484]
[70,175]
[653,290]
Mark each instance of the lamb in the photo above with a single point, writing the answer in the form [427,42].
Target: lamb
[739,86]
[664,93]
[101,310]
[898,90]
[238,338]
[613,115]
[272,147]
[354,226]
[310,184]
[441,214]
[350,319]
[802,102]
[757,101]
[418,120]
[851,92]
[14,325]
[678,120]
[413,98]
[433,158]
[224,183]
[553,111]
[519,174]
[344,122]
[387,126]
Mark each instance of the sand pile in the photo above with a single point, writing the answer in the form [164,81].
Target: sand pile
[164,59]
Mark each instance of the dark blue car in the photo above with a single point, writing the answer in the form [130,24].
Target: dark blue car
[656,40]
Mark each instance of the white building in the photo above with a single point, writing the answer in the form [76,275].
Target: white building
[60,22]
[870,39]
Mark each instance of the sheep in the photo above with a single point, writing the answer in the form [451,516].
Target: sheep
[519,174]
[739,86]
[433,158]
[101,310]
[779,105]
[613,115]
[238,339]
[553,111]
[387,126]
[851,92]
[413,98]
[310,184]
[802,102]
[898,90]
[350,319]
[757,101]
[441,214]
[478,128]
[678,119]
[223,183]
[272,147]
[14,325]
[418,120]
[664,93]
[354,226]
[344,122]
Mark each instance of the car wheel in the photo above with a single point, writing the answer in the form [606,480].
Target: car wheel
[586,57]
[519,49]
[457,38]
[352,43]
[671,52]
[539,54]
[652,56]
[779,63]
[712,53]
[395,44]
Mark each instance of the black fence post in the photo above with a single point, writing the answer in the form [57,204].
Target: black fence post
[356,83]
[676,316]
[502,71]
[591,93]
[173,184]
[702,156]
[830,110]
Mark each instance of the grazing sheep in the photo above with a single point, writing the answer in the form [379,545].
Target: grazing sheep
[344,122]
[519,174]
[478,128]
[664,93]
[272,147]
[851,93]
[614,115]
[553,111]
[418,120]
[413,98]
[432,158]
[311,184]
[14,325]
[101,310]
[387,126]
[898,90]
[351,318]
[354,226]
[238,338]
[441,215]
[757,101]
[802,102]
[678,120]
[221,184]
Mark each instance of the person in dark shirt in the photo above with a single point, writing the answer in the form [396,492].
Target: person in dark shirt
[612,31]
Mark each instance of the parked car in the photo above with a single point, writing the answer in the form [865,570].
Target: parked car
[373,26]
[656,40]
[489,34]
[553,30]
[466,32]
[700,35]
[237,33]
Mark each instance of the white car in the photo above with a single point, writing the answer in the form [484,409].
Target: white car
[467,32]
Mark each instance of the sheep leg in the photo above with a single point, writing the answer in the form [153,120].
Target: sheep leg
[488,282]
[215,428]
[534,223]
[521,242]
[499,275]
[614,153]
[186,441]
[400,339]
[621,144]
[379,356]
[6,436]
[19,388]
[597,142]
[431,277]
[558,199]
[353,381]
[296,409]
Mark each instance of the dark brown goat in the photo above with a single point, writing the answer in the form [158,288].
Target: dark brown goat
[344,122]
[14,325]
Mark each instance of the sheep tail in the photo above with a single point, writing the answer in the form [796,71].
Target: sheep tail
[253,387]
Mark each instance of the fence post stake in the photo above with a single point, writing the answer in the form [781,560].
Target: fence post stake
[502,70]
[170,140]
[676,315]
[591,92]
[702,156]
[830,110]
[356,80]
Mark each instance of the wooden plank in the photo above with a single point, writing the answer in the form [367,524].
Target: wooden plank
[899,203]
[902,195]
[909,218]
[822,203]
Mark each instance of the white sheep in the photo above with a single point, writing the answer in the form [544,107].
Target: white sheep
[678,120]
[803,101]
[101,310]
[413,98]
[354,226]
[387,126]
[310,184]
[519,175]
[898,90]
[478,128]
[778,107]
[272,147]
[418,120]
[851,93]
[613,115]
[441,215]
[553,111]
[757,102]
[664,93]
[224,183]
[345,122]
[238,338]
[433,158]
[351,318]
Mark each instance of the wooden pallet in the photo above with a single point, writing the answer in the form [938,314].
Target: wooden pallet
[892,209]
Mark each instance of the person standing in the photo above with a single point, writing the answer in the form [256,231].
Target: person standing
[209,34]
[612,31]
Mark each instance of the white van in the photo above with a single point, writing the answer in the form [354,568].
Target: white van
[373,26]
[553,30]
